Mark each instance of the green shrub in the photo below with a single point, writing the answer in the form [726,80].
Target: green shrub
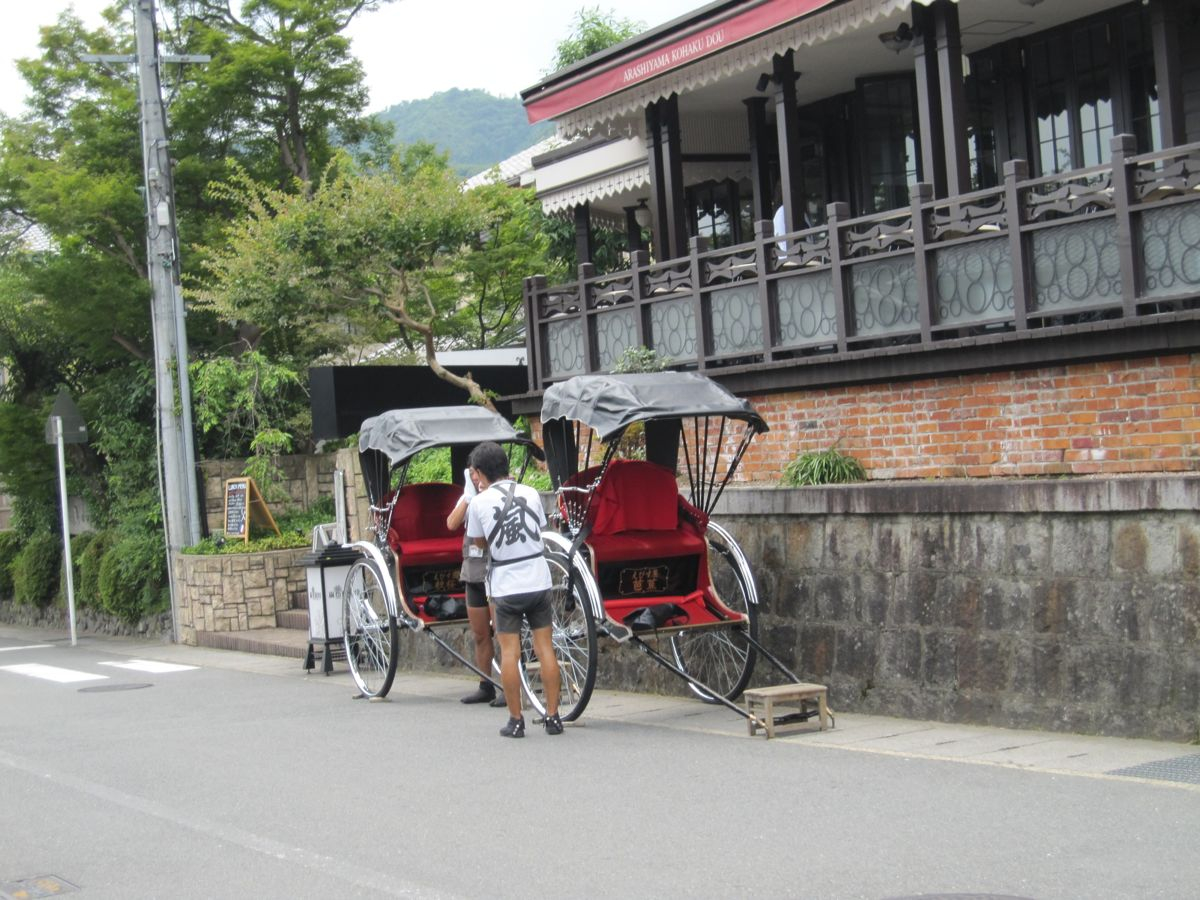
[217,544]
[10,545]
[430,465]
[79,545]
[87,587]
[640,359]
[823,467]
[35,570]
[133,577]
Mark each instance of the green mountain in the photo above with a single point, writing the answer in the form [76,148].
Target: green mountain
[475,127]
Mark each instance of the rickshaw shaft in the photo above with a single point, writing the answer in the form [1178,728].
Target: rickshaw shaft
[462,659]
[666,663]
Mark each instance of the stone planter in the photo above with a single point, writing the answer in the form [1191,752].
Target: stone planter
[237,592]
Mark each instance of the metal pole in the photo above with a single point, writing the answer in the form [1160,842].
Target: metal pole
[170,343]
[66,523]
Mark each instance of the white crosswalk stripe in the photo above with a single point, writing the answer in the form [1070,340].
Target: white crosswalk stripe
[26,647]
[52,673]
[149,665]
[62,675]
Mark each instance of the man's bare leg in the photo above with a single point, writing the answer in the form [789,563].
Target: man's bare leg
[543,647]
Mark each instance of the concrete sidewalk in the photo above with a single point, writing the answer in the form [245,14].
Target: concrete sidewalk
[1173,765]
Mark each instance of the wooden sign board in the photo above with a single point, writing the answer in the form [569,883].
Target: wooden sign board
[244,505]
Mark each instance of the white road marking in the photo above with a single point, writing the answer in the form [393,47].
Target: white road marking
[27,647]
[149,665]
[52,673]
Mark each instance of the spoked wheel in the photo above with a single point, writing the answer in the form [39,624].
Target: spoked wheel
[369,629]
[574,635]
[721,657]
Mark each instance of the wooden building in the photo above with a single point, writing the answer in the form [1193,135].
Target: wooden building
[989,255]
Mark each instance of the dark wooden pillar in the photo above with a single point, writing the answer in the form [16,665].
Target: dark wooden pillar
[583,234]
[953,97]
[787,132]
[658,180]
[1165,22]
[672,210]
[929,110]
[633,231]
[760,156]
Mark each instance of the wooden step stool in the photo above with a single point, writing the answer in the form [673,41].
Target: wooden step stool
[762,704]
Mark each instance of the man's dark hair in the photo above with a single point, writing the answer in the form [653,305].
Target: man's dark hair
[490,459]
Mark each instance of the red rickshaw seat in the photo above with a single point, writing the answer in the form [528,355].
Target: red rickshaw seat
[418,532]
[635,514]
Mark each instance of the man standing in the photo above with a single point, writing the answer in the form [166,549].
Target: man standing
[506,519]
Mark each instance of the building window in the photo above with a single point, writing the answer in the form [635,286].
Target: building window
[1089,81]
[887,123]
[721,212]
[984,95]
[1143,87]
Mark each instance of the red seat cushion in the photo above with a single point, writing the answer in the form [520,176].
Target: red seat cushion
[645,544]
[435,550]
[418,525]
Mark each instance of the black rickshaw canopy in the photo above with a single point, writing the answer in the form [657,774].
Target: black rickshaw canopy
[395,437]
[609,403]
[403,433]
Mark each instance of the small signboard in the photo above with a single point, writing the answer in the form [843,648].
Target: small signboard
[245,505]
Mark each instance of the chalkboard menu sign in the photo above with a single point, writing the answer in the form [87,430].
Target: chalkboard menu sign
[237,522]
[244,504]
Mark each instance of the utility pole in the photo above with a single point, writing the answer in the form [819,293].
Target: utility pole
[170,330]
[177,471]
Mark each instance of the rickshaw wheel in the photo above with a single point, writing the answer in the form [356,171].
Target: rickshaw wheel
[574,634]
[369,629]
[722,658]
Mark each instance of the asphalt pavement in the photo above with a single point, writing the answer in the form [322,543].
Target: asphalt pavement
[174,771]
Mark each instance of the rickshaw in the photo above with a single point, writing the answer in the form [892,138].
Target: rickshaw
[646,562]
[408,575]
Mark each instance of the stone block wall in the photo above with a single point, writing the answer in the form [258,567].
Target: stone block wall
[306,479]
[1068,606]
[237,592]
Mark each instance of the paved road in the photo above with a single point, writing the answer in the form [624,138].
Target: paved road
[243,777]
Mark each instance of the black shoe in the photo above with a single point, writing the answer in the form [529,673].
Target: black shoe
[483,694]
[498,701]
[553,724]
[515,728]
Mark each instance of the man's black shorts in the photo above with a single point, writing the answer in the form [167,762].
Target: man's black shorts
[533,607]
[476,595]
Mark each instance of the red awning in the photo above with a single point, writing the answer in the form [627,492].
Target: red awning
[689,47]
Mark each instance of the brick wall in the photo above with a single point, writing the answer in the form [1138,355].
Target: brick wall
[1118,417]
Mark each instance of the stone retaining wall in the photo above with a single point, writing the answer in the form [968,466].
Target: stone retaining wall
[87,621]
[237,592]
[1066,605]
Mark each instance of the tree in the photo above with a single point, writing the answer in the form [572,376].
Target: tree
[483,288]
[279,95]
[591,32]
[353,260]
[282,83]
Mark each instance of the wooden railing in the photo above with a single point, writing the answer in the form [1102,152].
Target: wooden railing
[1113,242]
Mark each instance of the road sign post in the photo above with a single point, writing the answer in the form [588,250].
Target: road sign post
[66,426]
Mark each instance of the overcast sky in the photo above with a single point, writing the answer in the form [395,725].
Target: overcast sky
[410,49]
